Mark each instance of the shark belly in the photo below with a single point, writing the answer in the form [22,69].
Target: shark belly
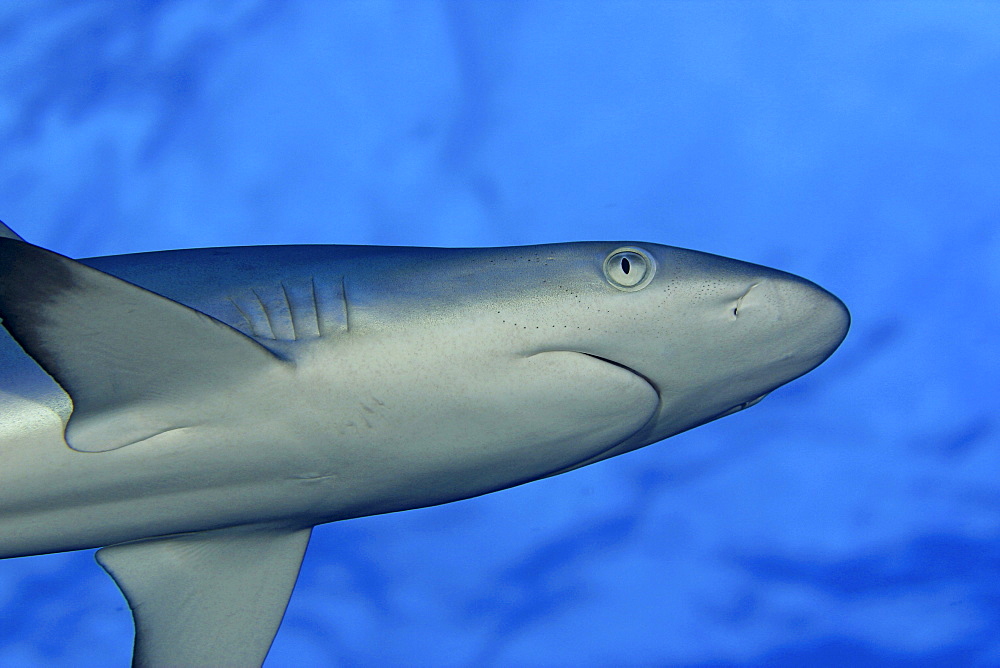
[55,499]
[371,442]
[369,451]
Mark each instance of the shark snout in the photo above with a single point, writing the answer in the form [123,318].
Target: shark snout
[809,322]
[823,315]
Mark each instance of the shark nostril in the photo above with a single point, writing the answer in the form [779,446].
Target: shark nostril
[739,302]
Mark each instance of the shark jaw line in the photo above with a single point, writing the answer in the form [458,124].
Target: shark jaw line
[649,381]
[653,416]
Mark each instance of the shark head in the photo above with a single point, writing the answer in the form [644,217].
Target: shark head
[561,355]
[712,336]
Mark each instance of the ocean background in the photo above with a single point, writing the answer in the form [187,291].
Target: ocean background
[852,518]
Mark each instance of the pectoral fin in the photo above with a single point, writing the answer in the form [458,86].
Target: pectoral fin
[214,598]
[135,364]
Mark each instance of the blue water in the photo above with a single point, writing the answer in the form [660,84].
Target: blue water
[853,518]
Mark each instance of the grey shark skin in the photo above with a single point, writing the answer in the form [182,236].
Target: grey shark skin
[200,425]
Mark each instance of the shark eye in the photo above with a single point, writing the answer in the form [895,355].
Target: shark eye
[629,269]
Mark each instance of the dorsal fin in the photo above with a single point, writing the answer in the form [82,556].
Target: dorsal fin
[7,233]
[213,598]
[135,364]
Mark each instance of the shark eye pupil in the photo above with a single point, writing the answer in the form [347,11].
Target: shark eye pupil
[629,269]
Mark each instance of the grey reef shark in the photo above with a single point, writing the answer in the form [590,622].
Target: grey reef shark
[195,413]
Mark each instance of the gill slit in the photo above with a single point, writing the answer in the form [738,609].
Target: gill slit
[267,316]
[246,317]
[343,296]
[291,315]
[316,313]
